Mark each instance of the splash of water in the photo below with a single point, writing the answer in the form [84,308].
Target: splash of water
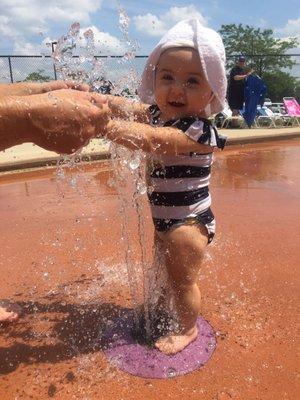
[75,58]
[64,52]
[126,84]
[140,190]
[126,162]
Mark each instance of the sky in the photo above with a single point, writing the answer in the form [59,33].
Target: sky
[28,26]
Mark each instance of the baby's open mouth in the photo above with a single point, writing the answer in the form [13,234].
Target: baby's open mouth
[176,104]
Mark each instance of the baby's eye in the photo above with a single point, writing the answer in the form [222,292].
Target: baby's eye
[192,81]
[167,77]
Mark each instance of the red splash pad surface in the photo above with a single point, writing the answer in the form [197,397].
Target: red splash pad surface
[61,251]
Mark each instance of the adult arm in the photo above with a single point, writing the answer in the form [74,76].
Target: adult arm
[242,76]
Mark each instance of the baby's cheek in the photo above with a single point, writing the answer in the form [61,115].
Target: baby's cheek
[160,98]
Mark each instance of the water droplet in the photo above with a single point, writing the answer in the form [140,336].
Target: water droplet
[46,275]
[171,372]
[134,163]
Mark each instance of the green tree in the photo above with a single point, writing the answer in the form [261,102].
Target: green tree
[281,84]
[265,52]
[37,76]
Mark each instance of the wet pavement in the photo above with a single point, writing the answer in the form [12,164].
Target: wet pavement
[62,260]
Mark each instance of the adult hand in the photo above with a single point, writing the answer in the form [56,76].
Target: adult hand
[29,88]
[57,85]
[65,120]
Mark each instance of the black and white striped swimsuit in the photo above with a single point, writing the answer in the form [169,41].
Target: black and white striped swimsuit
[178,186]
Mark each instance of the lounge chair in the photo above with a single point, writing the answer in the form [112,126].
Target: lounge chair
[267,116]
[267,102]
[279,110]
[293,109]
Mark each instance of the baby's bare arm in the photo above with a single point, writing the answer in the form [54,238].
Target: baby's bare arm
[128,109]
[159,140]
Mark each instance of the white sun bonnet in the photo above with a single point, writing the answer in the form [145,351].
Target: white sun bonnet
[208,43]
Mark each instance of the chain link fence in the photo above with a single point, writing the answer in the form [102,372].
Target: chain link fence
[15,68]
[19,68]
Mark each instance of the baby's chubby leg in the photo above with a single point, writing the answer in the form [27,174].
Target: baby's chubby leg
[184,247]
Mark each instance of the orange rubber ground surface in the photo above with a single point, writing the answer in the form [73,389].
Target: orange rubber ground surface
[62,260]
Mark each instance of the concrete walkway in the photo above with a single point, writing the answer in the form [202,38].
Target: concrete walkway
[28,155]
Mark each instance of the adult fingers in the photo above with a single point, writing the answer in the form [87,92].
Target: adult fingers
[98,99]
[83,87]
[95,99]
[54,85]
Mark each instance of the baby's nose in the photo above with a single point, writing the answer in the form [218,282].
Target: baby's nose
[178,87]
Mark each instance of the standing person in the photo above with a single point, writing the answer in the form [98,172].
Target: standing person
[52,115]
[236,87]
[184,83]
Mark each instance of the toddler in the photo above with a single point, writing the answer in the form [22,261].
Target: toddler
[183,84]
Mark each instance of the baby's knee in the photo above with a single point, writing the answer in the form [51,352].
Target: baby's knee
[184,261]
[186,246]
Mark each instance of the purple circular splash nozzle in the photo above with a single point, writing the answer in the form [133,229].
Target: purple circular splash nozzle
[125,353]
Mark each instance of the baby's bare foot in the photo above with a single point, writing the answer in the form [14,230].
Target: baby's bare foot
[172,344]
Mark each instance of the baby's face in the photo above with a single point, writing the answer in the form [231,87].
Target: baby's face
[181,89]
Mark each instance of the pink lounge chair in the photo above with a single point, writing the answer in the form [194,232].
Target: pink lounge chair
[292,109]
